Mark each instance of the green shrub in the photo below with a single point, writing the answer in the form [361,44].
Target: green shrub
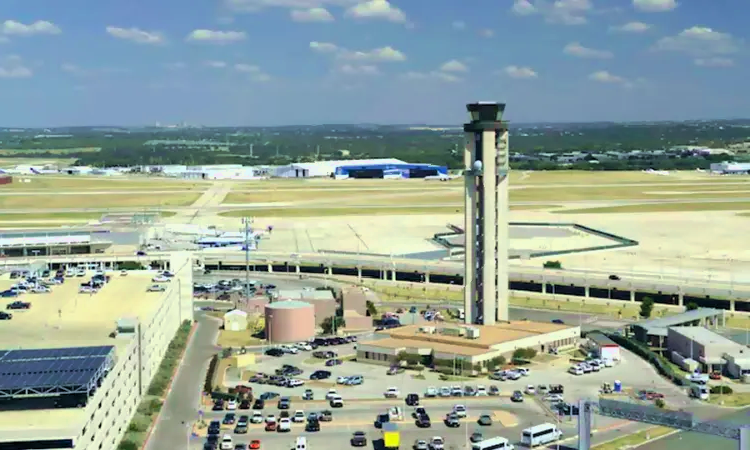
[660,403]
[139,424]
[719,390]
[127,444]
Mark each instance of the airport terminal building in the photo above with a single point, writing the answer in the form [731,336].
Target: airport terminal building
[74,367]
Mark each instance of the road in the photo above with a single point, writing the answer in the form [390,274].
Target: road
[181,405]
[685,441]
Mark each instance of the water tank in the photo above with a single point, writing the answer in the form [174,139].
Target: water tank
[289,321]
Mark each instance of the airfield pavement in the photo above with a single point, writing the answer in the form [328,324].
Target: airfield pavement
[688,223]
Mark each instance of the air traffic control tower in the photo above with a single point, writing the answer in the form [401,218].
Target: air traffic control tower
[486,214]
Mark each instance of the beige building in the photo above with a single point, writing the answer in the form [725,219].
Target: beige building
[136,324]
[476,344]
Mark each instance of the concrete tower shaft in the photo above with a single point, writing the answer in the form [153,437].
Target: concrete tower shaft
[486,215]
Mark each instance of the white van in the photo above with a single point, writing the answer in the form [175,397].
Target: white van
[301,443]
[540,435]
[576,370]
[496,443]
[336,401]
[699,391]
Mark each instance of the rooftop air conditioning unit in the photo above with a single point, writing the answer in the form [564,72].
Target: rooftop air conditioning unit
[428,330]
[472,333]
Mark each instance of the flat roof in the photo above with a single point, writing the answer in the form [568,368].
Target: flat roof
[306,294]
[659,326]
[704,336]
[489,335]
[601,340]
[288,304]
[65,318]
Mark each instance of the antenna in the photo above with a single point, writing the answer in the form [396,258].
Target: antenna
[251,150]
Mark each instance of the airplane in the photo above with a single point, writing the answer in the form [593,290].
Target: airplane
[440,177]
[656,172]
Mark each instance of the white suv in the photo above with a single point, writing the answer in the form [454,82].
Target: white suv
[431,392]
[437,443]
[392,392]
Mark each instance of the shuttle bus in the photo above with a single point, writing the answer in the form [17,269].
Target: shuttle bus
[540,435]
[496,443]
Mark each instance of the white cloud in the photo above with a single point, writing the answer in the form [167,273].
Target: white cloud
[216,37]
[714,62]
[631,27]
[700,42]
[136,35]
[459,25]
[520,72]
[566,12]
[376,9]
[215,64]
[261,77]
[382,54]
[323,47]
[454,65]
[579,51]
[11,27]
[311,15]
[13,67]
[349,69]
[4,40]
[655,5]
[247,68]
[252,6]
[486,33]
[603,76]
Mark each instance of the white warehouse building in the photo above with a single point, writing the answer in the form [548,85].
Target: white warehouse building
[729,168]
[92,359]
[326,168]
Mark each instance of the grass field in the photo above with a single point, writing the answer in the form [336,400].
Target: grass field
[384,210]
[635,439]
[44,183]
[56,151]
[661,207]
[12,162]
[448,193]
[97,201]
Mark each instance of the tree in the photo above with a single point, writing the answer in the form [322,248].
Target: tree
[552,265]
[691,306]
[372,311]
[332,324]
[647,307]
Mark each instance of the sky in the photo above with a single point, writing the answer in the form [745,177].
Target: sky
[297,62]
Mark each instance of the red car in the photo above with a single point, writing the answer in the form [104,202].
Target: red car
[255,444]
[715,375]
[271,426]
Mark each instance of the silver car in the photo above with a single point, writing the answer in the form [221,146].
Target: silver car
[420,444]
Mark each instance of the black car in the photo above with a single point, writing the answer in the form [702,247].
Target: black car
[229,419]
[359,439]
[423,421]
[214,428]
[558,321]
[556,389]
[517,397]
[381,419]
[218,405]
[18,305]
[476,437]
[284,403]
[277,352]
[566,409]
[614,278]
[210,445]
[334,362]
[412,400]
[312,425]
[268,395]
[320,375]
[244,404]
[5,316]
[308,395]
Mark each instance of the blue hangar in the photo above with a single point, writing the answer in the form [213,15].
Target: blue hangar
[394,170]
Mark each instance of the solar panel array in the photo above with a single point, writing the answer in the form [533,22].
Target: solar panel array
[42,369]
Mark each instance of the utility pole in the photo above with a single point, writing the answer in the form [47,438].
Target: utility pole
[317,152]
[277,151]
[251,150]
[246,221]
